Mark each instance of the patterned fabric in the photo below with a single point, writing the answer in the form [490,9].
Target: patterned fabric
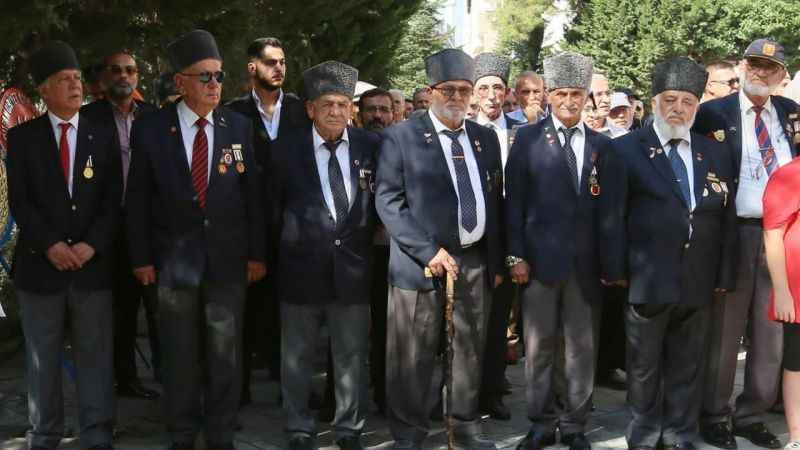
[200,162]
[679,168]
[572,161]
[340,201]
[764,142]
[469,211]
[63,150]
[330,77]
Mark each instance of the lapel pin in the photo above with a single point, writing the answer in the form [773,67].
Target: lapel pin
[356,163]
[652,152]
[173,129]
[732,129]
[427,135]
[91,137]
[699,156]
[548,135]
[659,151]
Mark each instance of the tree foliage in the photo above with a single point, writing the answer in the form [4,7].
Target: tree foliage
[627,38]
[520,25]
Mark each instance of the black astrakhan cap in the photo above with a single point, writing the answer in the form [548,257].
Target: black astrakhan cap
[449,64]
[330,77]
[51,58]
[679,74]
[490,64]
[192,47]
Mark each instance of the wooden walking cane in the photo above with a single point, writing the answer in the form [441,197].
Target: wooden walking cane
[450,334]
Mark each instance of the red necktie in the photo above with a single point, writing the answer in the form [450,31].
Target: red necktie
[63,150]
[200,162]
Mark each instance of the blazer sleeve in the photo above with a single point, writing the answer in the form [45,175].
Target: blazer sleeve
[137,199]
[392,204]
[255,201]
[103,231]
[516,185]
[729,261]
[42,234]
[613,179]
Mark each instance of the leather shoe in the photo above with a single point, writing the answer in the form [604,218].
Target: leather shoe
[181,446]
[301,442]
[495,408]
[576,441]
[681,446]
[135,389]
[718,435]
[758,434]
[350,443]
[536,440]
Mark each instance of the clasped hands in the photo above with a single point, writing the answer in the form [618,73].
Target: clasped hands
[65,257]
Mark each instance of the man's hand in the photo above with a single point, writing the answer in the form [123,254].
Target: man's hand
[720,290]
[614,283]
[62,257]
[520,272]
[83,251]
[146,275]
[533,111]
[256,270]
[498,280]
[443,263]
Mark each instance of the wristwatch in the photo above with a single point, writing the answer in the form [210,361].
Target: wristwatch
[512,261]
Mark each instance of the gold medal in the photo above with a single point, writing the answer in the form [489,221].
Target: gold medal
[716,187]
[595,189]
[222,169]
[240,167]
[88,173]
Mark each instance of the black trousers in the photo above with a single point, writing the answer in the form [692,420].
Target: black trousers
[377,333]
[494,360]
[611,351]
[256,335]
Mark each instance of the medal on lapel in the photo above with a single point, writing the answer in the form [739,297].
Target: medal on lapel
[477,145]
[428,139]
[364,176]
[652,152]
[222,168]
[594,186]
[88,171]
[719,135]
[488,182]
[705,192]
[238,157]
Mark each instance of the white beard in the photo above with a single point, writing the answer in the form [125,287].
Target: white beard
[754,90]
[449,114]
[668,130]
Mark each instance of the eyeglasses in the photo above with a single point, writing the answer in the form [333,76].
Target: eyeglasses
[205,77]
[374,109]
[450,91]
[118,70]
[733,82]
[758,64]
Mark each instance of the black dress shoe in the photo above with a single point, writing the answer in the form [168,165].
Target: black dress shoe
[301,442]
[536,440]
[135,389]
[350,443]
[494,407]
[758,434]
[576,441]
[718,435]
[681,446]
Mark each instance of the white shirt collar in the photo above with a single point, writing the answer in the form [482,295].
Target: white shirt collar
[318,140]
[499,123]
[439,126]
[260,105]
[664,141]
[558,124]
[189,117]
[746,105]
[55,120]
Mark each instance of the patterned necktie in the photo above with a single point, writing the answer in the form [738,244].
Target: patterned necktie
[340,202]
[572,161]
[466,197]
[764,142]
[679,168]
[63,150]
[200,162]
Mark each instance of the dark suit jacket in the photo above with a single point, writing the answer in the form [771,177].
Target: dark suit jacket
[721,119]
[101,112]
[548,222]
[644,221]
[166,225]
[418,204]
[45,212]
[319,260]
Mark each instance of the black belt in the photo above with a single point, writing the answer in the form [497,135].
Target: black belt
[750,221]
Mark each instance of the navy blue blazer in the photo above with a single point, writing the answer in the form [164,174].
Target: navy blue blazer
[46,214]
[417,202]
[166,225]
[644,221]
[319,260]
[548,222]
[721,119]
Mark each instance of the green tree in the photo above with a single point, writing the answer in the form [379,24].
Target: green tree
[423,36]
[628,37]
[521,25]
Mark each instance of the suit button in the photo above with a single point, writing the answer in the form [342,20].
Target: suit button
[691,216]
[69,241]
[194,199]
[74,208]
[686,245]
[206,223]
[337,242]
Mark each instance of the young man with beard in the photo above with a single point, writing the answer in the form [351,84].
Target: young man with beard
[667,221]
[274,114]
[760,132]
[117,111]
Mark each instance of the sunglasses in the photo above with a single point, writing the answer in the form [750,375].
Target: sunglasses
[118,70]
[733,82]
[205,77]
[450,91]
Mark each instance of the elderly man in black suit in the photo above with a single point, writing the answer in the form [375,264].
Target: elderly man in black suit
[761,132]
[667,221]
[324,198]
[64,187]
[551,197]
[195,221]
[117,111]
[440,183]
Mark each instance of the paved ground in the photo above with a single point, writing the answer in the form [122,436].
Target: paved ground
[140,428]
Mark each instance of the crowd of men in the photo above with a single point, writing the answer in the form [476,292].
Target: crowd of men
[610,247]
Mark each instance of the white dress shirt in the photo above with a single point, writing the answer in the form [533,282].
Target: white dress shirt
[323,155]
[518,114]
[578,141]
[187,120]
[476,234]
[274,123]
[72,141]
[752,173]
[500,127]
[685,152]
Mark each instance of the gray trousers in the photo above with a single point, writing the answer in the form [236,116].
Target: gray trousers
[551,313]
[664,365]
[730,316]
[88,314]
[349,336]
[415,321]
[201,338]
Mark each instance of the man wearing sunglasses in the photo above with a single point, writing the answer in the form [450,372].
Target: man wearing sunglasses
[761,132]
[195,222]
[117,111]
[722,81]
[439,190]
